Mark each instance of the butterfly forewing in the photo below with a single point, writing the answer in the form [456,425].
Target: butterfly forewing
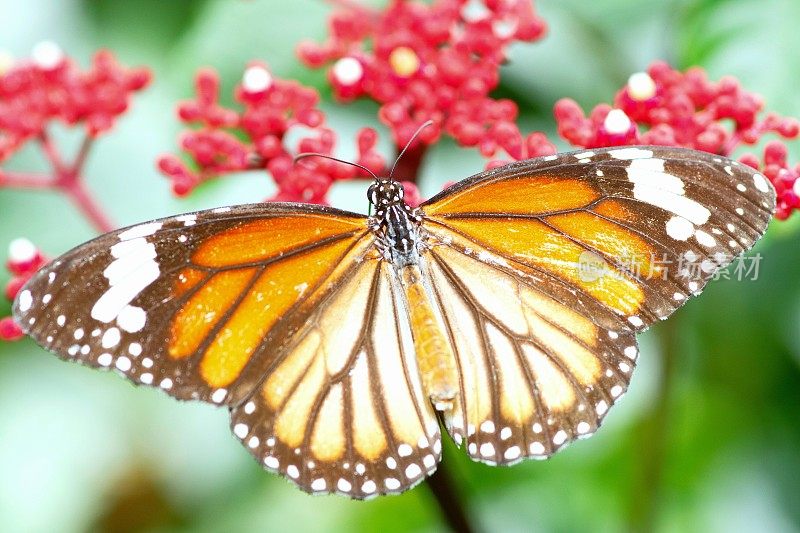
[194,304]
[659,221]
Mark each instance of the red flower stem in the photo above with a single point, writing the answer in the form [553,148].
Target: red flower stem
[67,179]
[52,155]
[78,193]
[22,180]
[83,152]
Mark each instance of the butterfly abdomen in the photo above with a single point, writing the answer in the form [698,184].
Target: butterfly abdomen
[435,357]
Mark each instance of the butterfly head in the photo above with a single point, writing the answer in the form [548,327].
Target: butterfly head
[384,193]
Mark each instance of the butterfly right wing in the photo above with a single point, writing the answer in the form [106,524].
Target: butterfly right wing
[341,408]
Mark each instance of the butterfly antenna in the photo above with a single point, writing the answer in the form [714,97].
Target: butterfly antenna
[411,140]
[298,157]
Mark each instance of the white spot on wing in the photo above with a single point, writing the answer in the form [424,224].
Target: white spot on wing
[110,338]
[218,395]
[133,269]
[679,228]
[630,153]
[131,318]
[142,230]
[25,300]
[705,239]
[655,186]
[636,321]
[188,220]
[512,453]
[413,470]
[392,484]
[123,363]
[760,183]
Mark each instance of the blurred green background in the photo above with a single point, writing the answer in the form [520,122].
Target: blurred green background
[707,439]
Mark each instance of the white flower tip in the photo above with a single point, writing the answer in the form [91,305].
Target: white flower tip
[617,122]
[641,86]
[6,61]
[348,71]
[21,250]
[256,79]
[475,10]
[504,29]
[796,187]
[47,55]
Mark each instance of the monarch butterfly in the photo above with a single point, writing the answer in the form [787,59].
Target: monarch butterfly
[339,342]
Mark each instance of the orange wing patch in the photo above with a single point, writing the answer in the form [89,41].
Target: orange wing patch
[205,308]
[623,246]
[518,196]
[536,244]
[278,288]
[187,279]
[262,239]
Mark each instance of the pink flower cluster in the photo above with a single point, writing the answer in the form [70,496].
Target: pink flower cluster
[50,86]
[667,107]
[24,259]
[785,177]
[257,137]
[437,61]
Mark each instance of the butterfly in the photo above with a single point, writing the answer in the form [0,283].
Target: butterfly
[504,309]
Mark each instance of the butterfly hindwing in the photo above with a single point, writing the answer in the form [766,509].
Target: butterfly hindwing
[535,374]
[342,409]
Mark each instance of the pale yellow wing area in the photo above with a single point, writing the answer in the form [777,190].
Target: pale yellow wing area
[535,373]
[342,409]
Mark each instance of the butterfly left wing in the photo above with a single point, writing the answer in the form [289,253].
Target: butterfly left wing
[194,304]
[282,312]
[544,345]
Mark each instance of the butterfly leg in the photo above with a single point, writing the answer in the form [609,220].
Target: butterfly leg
[435,358]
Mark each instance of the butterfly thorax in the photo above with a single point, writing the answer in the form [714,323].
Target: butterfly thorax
[395,223]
